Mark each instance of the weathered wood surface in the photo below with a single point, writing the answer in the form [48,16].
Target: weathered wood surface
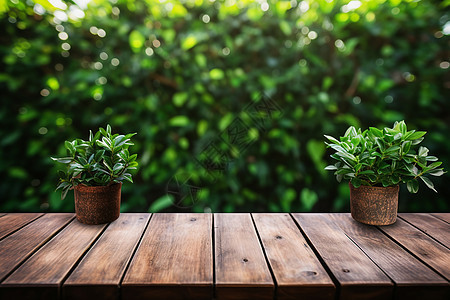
[421,245]
[224,256]
[11,222]
[174,259]
[241,268]
[20,245]
[99,273]
[443,216]
[41,275]
[404,269]
[357,275]
[297,271]
[431,225]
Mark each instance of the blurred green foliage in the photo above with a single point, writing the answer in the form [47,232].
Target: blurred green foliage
[179,73]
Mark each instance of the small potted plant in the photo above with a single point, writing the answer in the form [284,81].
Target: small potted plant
[95,170]
[375,161]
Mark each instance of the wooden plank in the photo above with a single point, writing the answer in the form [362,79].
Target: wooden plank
[98,275]
[297,271]
[41,275]
[241,268]
[443,216]
[14,221]
[20,245]
[357,275]
[434,227]
[174,259]
[421,245]
[413,279]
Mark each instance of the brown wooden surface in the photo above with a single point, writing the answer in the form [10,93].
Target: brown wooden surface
[431,225]
[224,256]
[174,259]
[297,271]
[20,245]
[404,269]
[348,264]
[11,222]
[99,273]
[443,216]
[241,268]
[42,274]
[421,245]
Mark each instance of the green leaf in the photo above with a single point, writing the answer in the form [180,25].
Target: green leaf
[331,168]
[413,186]
[406,146]
[70,146]
[356,182]
[380,144]
[118,167]
[63,160]
[376,132]
[332,139]
[423,151]
[127,177]
[416,135]
[412,169]
[431,158]
[438,172]
[99,154]
[418,141]
[366,172]
[103,131]
[64,192]
[351,132]
[428,183]
[392,149]
[120,140]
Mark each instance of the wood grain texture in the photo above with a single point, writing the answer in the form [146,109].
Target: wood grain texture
[21,244]
[297,271]
[358,276]
[413,279]
[13,221]
[431,225]
[241,268]
[443,216]
[174,259]
[99,273]
[421,245]
[42,274]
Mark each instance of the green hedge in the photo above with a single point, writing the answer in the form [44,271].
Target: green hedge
[183,73]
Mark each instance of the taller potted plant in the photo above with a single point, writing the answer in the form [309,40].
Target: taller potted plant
[375,161]
[95,170]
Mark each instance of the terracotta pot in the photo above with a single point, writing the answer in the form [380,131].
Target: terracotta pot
[374,205]
[97,204]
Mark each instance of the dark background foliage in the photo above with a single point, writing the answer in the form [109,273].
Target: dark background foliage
[180,72]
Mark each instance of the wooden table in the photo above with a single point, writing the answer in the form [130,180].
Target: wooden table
[224,256]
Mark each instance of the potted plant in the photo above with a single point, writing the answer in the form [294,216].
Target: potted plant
[375,161]
[95,170]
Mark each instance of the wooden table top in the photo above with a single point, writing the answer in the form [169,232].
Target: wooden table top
[224,256]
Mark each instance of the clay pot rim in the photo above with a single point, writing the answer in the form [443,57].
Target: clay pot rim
[374,187]
[85,188]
